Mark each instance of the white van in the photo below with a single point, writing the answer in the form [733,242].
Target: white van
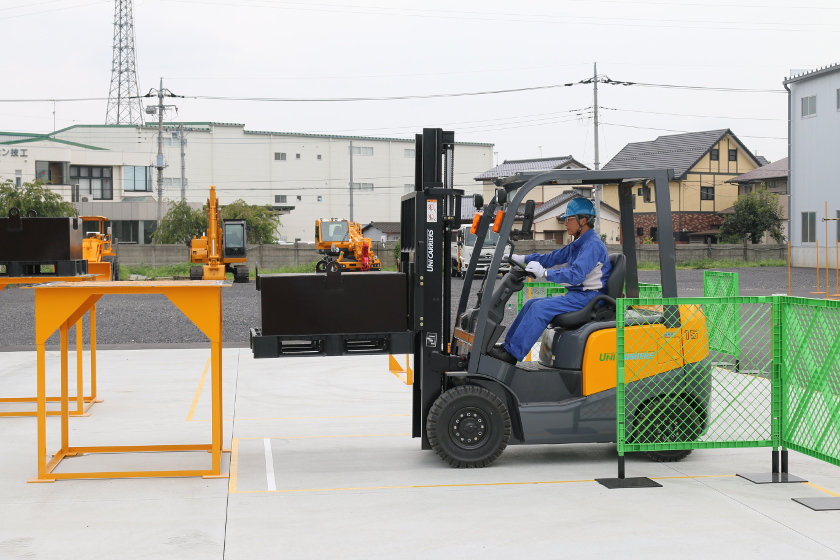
[462,251]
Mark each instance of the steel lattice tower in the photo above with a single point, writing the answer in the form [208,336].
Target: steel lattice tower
[124,105]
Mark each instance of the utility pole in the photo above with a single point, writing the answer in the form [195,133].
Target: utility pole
[351,180]
[160,164]
[183,163]
[597,188]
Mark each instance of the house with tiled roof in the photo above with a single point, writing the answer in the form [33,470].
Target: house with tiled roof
[550,216]
[703,163]
[382,231]
[513,166]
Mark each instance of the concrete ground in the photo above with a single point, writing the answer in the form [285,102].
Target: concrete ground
[322,466]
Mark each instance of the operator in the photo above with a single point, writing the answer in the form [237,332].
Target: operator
[582,266]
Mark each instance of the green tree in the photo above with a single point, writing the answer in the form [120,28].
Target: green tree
[261,222]
[33,196]
[180,224]
[755,213]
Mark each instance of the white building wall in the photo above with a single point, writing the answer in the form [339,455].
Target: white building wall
[814,165]
[241,164]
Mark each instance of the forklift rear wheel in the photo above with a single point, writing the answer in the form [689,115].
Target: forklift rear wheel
[468,427]
[668,419]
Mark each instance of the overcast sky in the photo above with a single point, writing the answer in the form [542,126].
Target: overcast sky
[60,49]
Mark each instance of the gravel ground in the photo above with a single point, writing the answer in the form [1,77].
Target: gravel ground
[152,319]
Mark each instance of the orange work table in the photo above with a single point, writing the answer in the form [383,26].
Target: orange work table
[59,305]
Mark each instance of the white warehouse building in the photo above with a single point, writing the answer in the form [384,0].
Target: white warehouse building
[304,176]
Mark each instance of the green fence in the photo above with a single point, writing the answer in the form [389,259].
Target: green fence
[810,374]
[778,387]
[675,391]
[723,284]
[537,290]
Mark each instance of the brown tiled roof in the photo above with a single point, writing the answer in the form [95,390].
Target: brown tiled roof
[384,227]
[775,170]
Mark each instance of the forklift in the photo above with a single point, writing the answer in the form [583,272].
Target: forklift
[469,406]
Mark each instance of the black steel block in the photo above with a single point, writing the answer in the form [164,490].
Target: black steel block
[40,239]
[333,303]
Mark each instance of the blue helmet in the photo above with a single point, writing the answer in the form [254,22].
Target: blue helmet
[580,206]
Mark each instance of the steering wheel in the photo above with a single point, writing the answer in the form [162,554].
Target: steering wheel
[521,267]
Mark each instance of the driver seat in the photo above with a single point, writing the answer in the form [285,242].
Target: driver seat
[593,311]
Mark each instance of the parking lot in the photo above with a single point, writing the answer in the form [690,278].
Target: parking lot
[322,465]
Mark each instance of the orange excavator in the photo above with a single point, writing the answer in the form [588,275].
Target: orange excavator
[342,241]
[98,250]
[220,248]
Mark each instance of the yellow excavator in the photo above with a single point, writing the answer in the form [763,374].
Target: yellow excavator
[342,241]
[98,250]
[221,250]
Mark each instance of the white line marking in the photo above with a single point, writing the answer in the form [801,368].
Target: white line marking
[269,466]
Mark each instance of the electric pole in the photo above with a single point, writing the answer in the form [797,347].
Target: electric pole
[597,188]
[160,164]
[183,162]
[351,180]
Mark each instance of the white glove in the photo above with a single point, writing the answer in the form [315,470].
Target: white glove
[518,258]
[537,269]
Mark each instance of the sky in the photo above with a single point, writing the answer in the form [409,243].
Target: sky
[352,49]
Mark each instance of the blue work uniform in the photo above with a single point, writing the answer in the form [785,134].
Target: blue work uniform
[583,267]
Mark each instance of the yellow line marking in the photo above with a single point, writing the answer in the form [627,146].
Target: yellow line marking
[821,489]
[234,466]
[408,486]
[198,391]
[311,417]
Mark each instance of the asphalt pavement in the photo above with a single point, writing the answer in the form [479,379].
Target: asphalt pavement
[153,320]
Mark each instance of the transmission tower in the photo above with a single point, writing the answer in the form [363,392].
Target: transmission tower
[124,105]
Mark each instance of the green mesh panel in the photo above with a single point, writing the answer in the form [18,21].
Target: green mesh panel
[810,376]
[537,290]
[676,391]
[722,284]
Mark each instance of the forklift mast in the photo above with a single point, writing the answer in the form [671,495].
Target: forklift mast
[430,217]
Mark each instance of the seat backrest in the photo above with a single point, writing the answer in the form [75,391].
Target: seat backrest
[615,283]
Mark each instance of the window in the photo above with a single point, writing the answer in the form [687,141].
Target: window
[93,181]
[297,156]
[320,199]
[411,152]
[809,227]
[714,154]
[136,178]
[409,187]
[838,99]
[279,199]
[809,106]
[640,231]
[299,198]
[640,192]
[361,151]
[707,193]
[173,139]
[279,156]
[362,186]
[172,182]
[319,156]
[733,155]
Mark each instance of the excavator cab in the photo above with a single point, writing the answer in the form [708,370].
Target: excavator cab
[234,238]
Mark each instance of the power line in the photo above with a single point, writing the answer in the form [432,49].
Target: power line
[687,131]
[688,115]
[671,86]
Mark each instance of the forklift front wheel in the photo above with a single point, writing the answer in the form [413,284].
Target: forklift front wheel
[468,427]
[668,419]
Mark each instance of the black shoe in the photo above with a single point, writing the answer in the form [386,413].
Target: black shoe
[500,353]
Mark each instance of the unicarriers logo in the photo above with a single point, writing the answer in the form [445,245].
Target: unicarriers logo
[430,250]
[610,356]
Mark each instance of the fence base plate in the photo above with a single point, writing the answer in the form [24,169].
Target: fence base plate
[819,504]
[771,478]
[636,482]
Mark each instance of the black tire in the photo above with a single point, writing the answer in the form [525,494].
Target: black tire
[196,272]
[241,275]
[115,267]
[463,414]
[668,419]
[321,266]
